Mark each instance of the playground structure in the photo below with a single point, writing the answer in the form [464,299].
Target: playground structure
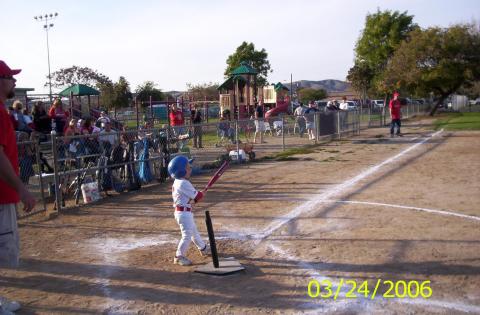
[240,93]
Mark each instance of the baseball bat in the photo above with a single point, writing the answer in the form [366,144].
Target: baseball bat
[217,175]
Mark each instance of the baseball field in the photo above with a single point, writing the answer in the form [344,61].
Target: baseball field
[364,225]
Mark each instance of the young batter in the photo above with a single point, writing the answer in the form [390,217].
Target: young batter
[183,193]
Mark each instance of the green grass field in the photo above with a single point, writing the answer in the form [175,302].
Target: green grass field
[458,121]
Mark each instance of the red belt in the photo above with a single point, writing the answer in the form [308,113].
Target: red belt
[180,208]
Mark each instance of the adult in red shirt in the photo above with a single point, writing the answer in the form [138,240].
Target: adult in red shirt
[177,121]
[395,114]
[12,189]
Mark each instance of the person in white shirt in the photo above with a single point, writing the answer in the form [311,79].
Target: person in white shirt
[344,104]
[300,119]
[108,138]
[103,118]
[344,112]
[183,193]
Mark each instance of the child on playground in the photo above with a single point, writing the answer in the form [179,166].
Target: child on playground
[183,194]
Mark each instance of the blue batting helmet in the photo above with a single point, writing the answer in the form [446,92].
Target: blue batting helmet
[177,168]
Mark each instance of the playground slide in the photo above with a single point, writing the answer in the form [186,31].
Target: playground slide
[282,107]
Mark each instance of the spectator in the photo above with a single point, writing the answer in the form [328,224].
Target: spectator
[300,119]
[177,121]
[197,127]
[259,124]
[310,113]
[224,128]
[10,112]
[344,108]
[91,143]
[74,145]
[22,121]
[102,119]
[344,104]
[108,138]
[12,190]
[28,118]
[58,115]
[41,120]
[331,106]
[395,114]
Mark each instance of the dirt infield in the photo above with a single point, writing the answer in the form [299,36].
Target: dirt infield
[361,209]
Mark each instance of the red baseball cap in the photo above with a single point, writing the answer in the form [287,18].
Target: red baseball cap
[5,70]
[396,93]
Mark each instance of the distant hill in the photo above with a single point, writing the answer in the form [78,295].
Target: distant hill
[328,85]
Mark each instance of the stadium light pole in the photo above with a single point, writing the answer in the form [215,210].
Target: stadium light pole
[45,19]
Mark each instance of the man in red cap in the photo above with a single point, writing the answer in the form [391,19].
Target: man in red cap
[396,114]
[12,189]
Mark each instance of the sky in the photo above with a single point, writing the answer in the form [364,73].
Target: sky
[188,41]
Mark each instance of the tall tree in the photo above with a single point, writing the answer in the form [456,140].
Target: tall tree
[147,89]
[258,59]
[204,91]
[78,75]
[309,94]
[107,94]
[437,60]
[122,93]
[383,32]
[361,75]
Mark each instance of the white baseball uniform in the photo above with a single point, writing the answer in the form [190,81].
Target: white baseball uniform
[183,192]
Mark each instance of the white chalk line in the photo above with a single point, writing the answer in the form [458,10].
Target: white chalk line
[434,211]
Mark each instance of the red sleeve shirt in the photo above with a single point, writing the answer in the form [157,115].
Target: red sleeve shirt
[9,143]
[395,106]
[176,118]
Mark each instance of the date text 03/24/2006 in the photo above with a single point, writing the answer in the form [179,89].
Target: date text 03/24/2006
[390,289]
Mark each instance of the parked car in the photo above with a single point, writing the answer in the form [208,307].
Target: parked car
[378,103]
[352,105]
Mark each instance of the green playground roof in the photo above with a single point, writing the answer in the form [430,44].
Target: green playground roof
[228,84]
[244,68]
[79,90]
[279,86]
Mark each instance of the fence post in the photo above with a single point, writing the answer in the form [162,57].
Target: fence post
[40,180]
[283,133]
[56,177]
[339,133]
[137,113]
[151,112]
[317,126]
[360,123]
[236,138]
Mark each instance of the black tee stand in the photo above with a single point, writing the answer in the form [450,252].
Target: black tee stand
[211,237]
[219,267]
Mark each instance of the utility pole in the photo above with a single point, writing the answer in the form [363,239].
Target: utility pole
[47,26]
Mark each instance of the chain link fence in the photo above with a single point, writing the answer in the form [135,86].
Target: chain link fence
[68,171]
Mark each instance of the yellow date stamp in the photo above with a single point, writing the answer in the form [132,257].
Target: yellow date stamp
[352,289]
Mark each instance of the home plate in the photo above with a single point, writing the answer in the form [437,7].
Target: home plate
[226,266]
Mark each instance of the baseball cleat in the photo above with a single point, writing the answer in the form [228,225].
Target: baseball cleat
[206,251]
[182,261]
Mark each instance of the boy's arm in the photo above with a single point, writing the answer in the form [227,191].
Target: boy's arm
[199,196]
